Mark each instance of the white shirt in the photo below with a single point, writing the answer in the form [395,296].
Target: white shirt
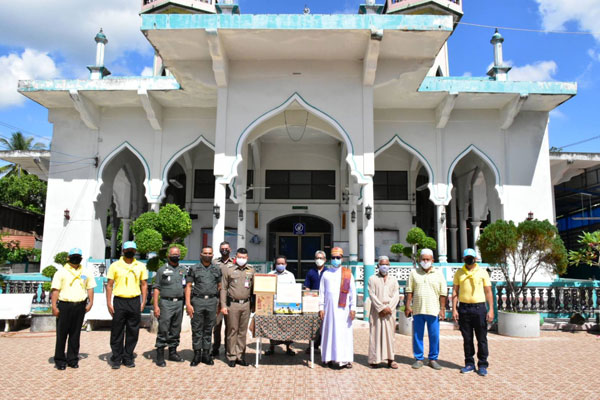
[284,277]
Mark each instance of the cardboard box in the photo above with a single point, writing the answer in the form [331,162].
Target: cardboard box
[265,283]
[264,304]
[310,301]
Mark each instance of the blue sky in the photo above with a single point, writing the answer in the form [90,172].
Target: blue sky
[41,42]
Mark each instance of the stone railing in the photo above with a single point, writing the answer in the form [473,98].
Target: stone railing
[556,298]
[26,284]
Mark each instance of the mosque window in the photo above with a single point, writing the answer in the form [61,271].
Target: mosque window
[300,184]
[390,185]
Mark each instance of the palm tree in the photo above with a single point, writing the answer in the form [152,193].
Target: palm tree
[18,142]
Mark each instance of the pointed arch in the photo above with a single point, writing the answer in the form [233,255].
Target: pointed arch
[487,160]
[173,159]
[115,153]
[415,152]
[296,97]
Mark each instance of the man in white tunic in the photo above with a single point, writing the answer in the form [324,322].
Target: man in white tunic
[337,303]
[384,294]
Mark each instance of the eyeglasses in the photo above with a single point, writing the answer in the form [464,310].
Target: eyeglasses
[336,258]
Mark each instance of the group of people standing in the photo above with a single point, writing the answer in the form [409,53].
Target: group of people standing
[220,290]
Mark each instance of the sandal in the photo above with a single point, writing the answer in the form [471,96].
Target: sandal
[349,365]
[392,364]
[374,366]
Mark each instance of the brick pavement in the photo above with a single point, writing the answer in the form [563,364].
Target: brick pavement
[556,366]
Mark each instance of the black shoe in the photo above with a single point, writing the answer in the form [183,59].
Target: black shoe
[73,365]
[207,358]
[197,358]
[129,364]
[242,362]
[61,367]
[173,356]
[231,363]
[215,352]
[160,357]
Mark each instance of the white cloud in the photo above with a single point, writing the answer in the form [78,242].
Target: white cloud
[557,114]
[147,71]
[556,13]
[66,29]
[467,74]
[594,55]
[31,64]
[538,71]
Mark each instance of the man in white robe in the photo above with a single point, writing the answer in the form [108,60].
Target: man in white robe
[337,309]
[384,294]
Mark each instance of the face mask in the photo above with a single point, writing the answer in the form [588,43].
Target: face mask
[383,269]
[426,264]
[129,254]
[336,262]
[280,267]
[224,253]
[75,259]
[206,259]
[174,259]
[241,261]
[319,262]
[469,260]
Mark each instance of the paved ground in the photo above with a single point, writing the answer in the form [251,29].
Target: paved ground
[556,366]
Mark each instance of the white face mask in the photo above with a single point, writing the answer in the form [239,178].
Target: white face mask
[426,264]
[241,261]
[319,262]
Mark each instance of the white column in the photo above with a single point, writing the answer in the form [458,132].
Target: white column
[453,236]
[462,225]
[219,224]
[241,225]
[352,228]
[368,231]
[155,207]
[126,223]
[476,224]
[115,231]
[441,233]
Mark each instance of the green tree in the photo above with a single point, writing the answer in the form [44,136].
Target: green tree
[417,240]
[25,191]
[155,233]
[589,251]
[18,142]
[522,250]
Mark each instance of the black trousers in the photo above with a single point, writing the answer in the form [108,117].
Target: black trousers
[125,324]
[472,319]
[68,327]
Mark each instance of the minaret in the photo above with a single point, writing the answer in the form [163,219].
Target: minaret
[99,71]
[499,70]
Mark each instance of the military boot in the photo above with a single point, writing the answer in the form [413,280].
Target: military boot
[207,358]
[173,356]
[160,357]
[197,358]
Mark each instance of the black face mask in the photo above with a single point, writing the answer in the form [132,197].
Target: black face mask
[75,259]
[174,259]
[224,253]
[206,259]
[469,260]
[129,254]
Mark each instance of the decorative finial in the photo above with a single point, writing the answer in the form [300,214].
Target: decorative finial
[497,38]
[101,37]
[306,10]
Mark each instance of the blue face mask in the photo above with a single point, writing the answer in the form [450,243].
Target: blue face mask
[280,267]
[383,269]
[336,262]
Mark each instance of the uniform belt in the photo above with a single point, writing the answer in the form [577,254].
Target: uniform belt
[232,300]
[172,298]
[205,296]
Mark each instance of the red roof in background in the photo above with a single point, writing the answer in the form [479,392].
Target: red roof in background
[25,241]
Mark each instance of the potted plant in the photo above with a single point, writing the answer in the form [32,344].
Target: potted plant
[520,251]
[417,240]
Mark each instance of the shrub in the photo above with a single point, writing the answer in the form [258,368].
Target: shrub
[145,221]
[61,258]
[148,241]
[173,223]
[417,240]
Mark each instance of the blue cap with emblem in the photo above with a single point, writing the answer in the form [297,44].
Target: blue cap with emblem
[129,245]
[75,250]
[469,252]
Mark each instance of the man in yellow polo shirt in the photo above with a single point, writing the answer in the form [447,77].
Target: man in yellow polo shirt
[127,280]
[472,288]
[72,286]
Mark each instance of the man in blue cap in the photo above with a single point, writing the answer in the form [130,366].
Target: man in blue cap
[472,288]
[127,279]
[72,287]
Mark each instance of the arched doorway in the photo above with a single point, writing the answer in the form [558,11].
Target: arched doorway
[285,239]
[425,218]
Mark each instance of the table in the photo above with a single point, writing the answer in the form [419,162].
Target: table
[287,327]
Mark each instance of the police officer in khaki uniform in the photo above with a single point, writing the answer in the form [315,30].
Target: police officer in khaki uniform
[225,262]
[169,282]
[201,304]
[236,292]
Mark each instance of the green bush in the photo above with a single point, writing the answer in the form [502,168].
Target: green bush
[415,237]
[47,286]
[153,264]
[49,271]
[61,258]
[173,223]
[148,241]
[145,221]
